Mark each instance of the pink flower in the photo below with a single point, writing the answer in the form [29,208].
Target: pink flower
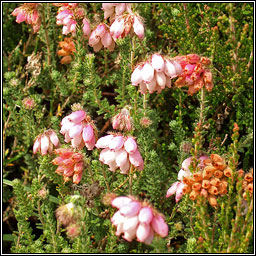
[44,142]
[120,151]
[122,121]
[68,14]
[123,24]
[136,219]
[86,27]
[79,129]
[157,62]
[101,37]
[138,27]
[70,164]
[177,187]
[28,12]
[114,9]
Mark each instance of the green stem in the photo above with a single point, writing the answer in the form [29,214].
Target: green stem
[46,38]
[105,178]
[130,180]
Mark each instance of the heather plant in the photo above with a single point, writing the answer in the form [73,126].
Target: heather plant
[127,127]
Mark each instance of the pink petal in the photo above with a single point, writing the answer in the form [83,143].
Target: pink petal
[120,201]
[172,190]
[150,237]
[106,40]
[116,143]
[75,130]
[121,157]
[88,133]
[90,144]
[130,223]
[159,226]
[138,28]
[131,209]
[157,62]
[124,169]
[75,142]
[142,232]
[145,215]
[169,69]
[136,77]
[77,116]
[54,138]
[136,158]
[147,73]
[103,142]
[130,145]
[44,144]
[161,79]
[179,191]
[117,218]
[37,145]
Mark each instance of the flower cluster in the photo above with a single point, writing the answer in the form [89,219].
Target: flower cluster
[122,121]
[101,36]
[195,73]
[70,164]
[155,74]
[209,182]
[120,152]
[45,141]
[123,24]
[28,12]
[67,49]
[68,216]
[248,184]
[137,219]
[79,129]
[28,103]
[111,10]
[177,187]
[68,14]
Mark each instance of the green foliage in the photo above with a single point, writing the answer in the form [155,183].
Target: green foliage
[164,128]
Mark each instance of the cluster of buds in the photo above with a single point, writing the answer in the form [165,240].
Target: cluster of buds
[44,142]
[28,103]
[70,164]
[209,182]
[155,74]
[111,10]
[122,121]
[79,129]
[68,216]
[123,24]
[120,152]
[28,12]
[248,184]
[177,187]
[67,49]
[68,14]
[135,219]
[101,36]
[195,73]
